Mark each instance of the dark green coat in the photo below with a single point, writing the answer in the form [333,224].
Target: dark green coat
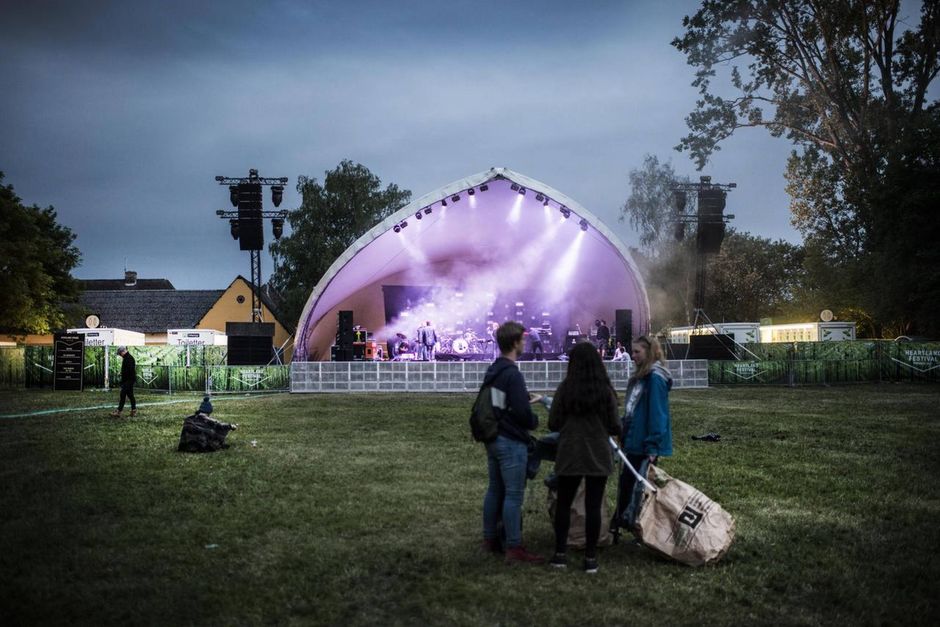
[583,448]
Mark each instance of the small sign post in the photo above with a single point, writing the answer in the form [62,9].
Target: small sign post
[69,361]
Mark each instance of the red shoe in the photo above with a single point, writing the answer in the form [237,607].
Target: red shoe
[519,555]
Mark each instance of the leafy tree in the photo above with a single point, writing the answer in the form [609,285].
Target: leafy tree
[839,81]
[331,217]
[650,206]
[36,258]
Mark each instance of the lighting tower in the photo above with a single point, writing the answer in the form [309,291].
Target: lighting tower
[246,223]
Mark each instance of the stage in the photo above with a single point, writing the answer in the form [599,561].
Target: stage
[459,376]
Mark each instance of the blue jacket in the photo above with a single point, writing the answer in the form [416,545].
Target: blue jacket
[650,430]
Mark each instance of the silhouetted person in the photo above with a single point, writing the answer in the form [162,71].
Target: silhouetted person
[128,377]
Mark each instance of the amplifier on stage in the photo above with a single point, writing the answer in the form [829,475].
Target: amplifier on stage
[364,351]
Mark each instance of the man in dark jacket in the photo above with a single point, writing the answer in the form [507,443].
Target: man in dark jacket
[128,377]
[507,455]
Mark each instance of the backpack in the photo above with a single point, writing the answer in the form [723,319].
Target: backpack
[484,420]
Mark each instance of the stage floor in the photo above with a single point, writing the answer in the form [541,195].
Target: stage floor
[459,376]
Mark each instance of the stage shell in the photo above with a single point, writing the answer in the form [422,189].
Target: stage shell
[493,239]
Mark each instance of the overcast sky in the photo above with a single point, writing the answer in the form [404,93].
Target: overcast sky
[121,113]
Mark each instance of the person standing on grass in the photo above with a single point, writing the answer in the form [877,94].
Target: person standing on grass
[647,426]
[507,456]
[128,377]
[584,411]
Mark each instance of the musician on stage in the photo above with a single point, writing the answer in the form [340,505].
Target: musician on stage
[535,334]
[603,337]
[428,338]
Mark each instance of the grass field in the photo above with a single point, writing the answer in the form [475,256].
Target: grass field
[365,509]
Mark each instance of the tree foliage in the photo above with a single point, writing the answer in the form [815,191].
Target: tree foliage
[331,217]
[849,86]
[36,258]
[650,207]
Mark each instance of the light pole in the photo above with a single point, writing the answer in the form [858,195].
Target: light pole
[246,224]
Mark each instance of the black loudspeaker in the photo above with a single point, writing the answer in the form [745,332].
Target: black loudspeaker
[714,347]
[623,327]
[250,343]
[711,225]
[249,350]
[709,237]
[344,329]
[250,224]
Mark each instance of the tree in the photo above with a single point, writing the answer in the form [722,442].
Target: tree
[650,207]
[837,80]
[331,217]
[36,258]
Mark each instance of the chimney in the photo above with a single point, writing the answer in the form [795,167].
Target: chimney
[130,278]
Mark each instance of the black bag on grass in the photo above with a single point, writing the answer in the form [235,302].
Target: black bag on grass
[202,434]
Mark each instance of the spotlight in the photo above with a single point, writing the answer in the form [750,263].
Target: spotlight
[522,190]
[444,203]
[455,198]
[471,192]
[514,187]
[583,224]
[427,211]
[277,194]
[404,223]
[396,228]
[546,202]
[418,214]
[539,197]
[277,226]
[484,187]
[233,228]
[233,195]
[565,211]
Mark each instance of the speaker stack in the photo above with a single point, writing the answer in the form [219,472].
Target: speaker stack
[345,336]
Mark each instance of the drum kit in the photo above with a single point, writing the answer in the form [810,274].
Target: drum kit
[459,344]
[463,344]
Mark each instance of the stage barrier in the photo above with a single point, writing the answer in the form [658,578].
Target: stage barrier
[459,376]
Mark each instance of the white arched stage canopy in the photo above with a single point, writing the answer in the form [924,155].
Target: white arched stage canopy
[494,246]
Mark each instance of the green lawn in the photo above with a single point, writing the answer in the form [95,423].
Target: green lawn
[364,509]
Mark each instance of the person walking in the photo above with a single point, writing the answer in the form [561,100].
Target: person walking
[647,425]
[507,455]
[584,412]
[128,378]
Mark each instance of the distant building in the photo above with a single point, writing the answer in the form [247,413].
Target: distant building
[152,306]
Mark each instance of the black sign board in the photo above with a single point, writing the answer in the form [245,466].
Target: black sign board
[69,361]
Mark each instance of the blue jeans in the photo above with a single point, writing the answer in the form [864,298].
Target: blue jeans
[506,461]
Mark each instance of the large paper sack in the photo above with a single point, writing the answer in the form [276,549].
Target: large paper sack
[681,522]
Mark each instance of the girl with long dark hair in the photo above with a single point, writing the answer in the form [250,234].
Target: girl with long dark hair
[584,411]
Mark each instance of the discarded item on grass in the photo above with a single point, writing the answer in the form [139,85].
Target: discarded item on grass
[202,434]
[212,546]
[708,437]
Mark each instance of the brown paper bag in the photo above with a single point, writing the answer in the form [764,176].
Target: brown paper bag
[682,523]
[577,538]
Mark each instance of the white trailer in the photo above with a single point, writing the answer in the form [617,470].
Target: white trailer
[195,337]
[110,337]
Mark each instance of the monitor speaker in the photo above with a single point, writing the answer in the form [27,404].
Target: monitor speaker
[715,347]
